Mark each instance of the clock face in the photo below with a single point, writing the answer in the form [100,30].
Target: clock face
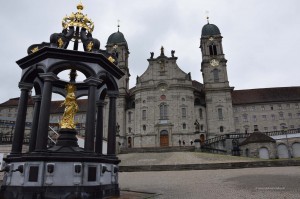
[214,62]
[211,39]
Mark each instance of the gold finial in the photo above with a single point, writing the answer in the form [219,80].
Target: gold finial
[71,108]
[80,6]
[111,59]
[78,20]
[89,47]
[35,49]
[60,42]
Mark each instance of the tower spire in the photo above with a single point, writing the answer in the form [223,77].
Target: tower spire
[118,25]
[207,17]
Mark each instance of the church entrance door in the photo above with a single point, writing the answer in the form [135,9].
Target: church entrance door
[164,138]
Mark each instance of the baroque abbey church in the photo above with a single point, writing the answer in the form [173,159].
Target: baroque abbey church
[166,105]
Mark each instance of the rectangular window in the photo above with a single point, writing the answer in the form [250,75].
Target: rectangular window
[201,113]
[254,118]
[144,115]
[297,106]
[298,115]
[129,116]
[292,127]
[163,111]
[245,118]
[290,115]
[265,129]
[279,106]
[236,119]
[237,131]
[262,108]
[273,117]
[281,117]
[183,112]
[264,117]
[288,106]
[220,114]
[275,128]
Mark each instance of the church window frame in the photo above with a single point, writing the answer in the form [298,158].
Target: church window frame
[183,112]
[216,75]
[144,127]
[129,117]
[144,114]
[201,113]
[184,126]
[245,118]
[254,118]
[220,114]
[163,111]
[221,129]
[213,49]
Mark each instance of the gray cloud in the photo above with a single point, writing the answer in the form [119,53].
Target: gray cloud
[260,38]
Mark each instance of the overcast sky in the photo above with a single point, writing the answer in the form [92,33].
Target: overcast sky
[261,39]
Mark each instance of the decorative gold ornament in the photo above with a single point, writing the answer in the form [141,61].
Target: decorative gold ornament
[111,59]
[90,45]
[35,49]
[214,62]
[78,19]
[60,42]
[71,108]
[211,39]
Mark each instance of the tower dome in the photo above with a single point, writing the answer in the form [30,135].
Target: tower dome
[210,29]
[116,38]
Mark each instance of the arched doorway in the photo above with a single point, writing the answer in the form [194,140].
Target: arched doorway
[129,142]
[282,151]
[296,150]
[164,138]
[202,139]
[264,153]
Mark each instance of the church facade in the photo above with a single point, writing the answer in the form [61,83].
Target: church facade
[167,107]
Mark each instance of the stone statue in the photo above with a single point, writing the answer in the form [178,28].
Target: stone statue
[71,108]
[172,53]
[152,54]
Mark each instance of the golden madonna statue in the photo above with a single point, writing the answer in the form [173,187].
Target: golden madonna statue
[71,108]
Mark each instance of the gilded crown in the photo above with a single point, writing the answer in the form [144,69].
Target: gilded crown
[78,19]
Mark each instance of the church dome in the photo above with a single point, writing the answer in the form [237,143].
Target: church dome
[210,29]
[116,38]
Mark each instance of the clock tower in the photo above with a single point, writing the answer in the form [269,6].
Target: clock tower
[216,85]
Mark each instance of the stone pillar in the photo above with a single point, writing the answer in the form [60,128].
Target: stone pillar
[99,128]
[21,118]
[35,121]
[111,141]
[91,114]
[43,126]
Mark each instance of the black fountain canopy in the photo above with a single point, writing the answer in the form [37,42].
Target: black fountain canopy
[77,28]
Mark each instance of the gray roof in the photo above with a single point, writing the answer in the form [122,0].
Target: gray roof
[257,137]
[210,29]
[116,38]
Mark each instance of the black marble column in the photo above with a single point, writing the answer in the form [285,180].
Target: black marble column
[42,132]
[112,122]
[35,121]
[21,118]
[99,128]
[91,114]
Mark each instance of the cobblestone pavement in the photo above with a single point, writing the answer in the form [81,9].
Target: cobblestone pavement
[250,183]
[171,158]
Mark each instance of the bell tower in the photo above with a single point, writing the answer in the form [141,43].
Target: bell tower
[216,85]
[117,45]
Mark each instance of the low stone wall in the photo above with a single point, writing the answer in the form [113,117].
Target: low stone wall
[213,166]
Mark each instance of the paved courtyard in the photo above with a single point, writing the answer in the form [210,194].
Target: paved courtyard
[250,183]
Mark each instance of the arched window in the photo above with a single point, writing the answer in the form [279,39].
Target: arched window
[216,75]
[184,126]
[220,114]
[144,127]
[213,49]
[163,110]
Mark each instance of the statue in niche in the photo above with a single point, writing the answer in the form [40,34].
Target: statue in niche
[71,108]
